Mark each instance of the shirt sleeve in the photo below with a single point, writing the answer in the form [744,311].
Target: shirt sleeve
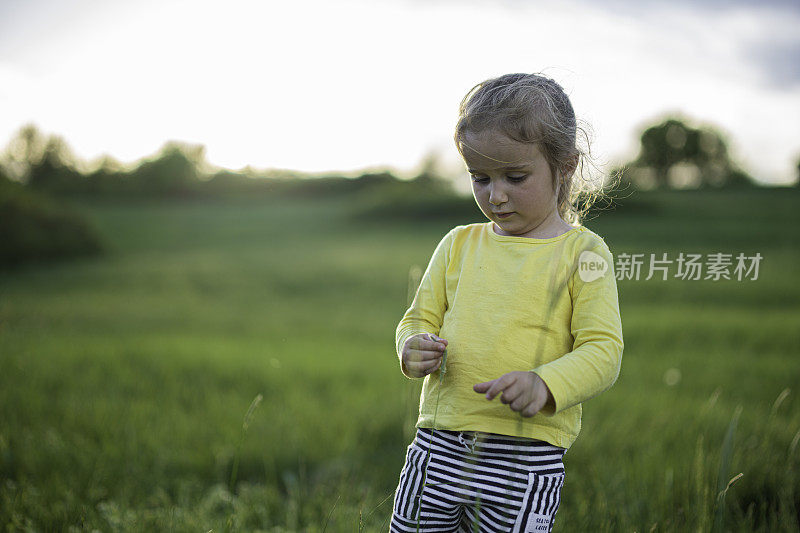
[593,364]
[426,313]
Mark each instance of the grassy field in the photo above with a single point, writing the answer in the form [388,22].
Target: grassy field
[229,365]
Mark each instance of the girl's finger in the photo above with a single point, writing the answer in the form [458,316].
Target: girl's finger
[433,363]
[437,339]
[518,404]
[424,365]
[434,368]
[424,355]
[513,392]
[510,396]
[426,344]
[483,387]
[500,384]
[414,370]
[530,410]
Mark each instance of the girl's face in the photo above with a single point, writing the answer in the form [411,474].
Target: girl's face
[513,185]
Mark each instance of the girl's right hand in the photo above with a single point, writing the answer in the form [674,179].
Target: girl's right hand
[422,355]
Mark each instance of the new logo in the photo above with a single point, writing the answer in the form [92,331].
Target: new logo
[591,266]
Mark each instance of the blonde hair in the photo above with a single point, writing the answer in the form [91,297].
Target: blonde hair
[531,108]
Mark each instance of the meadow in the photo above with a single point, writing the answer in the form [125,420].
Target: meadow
[230,366]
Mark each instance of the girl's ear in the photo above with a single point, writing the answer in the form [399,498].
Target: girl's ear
[570,166]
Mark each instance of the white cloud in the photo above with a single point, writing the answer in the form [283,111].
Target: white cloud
[319,86]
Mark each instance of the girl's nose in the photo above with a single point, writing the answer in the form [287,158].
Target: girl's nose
[497,195]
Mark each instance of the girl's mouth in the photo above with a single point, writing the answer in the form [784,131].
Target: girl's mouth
[504,215]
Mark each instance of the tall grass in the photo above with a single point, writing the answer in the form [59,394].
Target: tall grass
[123,379]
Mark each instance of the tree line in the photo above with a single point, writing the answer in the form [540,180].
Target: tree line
[672,155]
[46,164]
[36,168]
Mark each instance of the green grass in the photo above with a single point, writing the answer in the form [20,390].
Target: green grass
[124,380]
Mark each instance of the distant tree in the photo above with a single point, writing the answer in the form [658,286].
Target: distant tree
[675,155]
[375,180]
[107,176]
[174,172]
[797,183]
[430,176]
[55,170]
[41,162]
[26,148]
[5,179]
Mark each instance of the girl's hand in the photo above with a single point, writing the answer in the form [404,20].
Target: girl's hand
[526,392]
[422,355]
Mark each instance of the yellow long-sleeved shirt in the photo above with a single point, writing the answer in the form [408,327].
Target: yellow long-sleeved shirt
[508,303]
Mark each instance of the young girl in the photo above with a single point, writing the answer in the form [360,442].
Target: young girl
[523,307]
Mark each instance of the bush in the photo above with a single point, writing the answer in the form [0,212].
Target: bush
[411,203]
[32,228]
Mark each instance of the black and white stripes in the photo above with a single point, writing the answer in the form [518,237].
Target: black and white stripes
[454,480]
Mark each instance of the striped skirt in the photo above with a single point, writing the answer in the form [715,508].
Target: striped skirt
[465,481]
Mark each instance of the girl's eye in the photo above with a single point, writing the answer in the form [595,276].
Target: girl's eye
[478,179]
[517,179]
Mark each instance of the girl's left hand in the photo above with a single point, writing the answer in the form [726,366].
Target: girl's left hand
[526,392]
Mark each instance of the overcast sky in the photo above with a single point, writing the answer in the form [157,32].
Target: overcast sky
[316,86]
